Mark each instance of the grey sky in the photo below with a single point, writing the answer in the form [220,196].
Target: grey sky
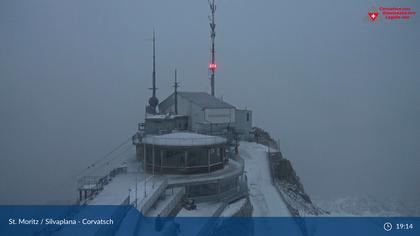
[341,93]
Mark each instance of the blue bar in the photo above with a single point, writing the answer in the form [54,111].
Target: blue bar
[126,220]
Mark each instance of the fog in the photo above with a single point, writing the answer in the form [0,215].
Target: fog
[341,93]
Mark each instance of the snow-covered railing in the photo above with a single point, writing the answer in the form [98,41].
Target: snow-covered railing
[92,185]
[237,192]
[91,182]
[185,167]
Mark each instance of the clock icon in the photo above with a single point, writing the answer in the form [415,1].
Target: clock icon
[387,226]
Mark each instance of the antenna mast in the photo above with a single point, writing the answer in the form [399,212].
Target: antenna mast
[176,85]
[154,64]
[153,101]
[212,65]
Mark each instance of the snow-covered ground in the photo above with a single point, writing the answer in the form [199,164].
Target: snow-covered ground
[204,209]
[265,198]
[367,206]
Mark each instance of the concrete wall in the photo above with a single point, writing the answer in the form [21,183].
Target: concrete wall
[219,115]
[243,123]
[164,105]
[197,115]
[220,118]
[185,107]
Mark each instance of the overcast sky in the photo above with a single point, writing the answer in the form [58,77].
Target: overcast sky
[341,93]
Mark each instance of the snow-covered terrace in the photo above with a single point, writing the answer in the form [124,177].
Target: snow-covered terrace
[124,186]
[183,139]
[120,191]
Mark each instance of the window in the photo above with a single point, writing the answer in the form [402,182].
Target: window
[247,117]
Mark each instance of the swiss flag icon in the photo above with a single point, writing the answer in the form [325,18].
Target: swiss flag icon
[373,15]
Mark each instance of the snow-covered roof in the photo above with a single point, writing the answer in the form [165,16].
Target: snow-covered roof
[162,116]
[205,100]
[183,139]
[202,99]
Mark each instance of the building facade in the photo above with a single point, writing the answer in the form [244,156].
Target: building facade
[208,114]
[183,153]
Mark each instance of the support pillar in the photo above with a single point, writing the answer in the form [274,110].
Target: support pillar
[185,159]
[161,160]
[153,162]
[144,157]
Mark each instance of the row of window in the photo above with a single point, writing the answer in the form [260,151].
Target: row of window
[180,158]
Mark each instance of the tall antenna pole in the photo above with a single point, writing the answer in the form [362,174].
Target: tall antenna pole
[153,101]
[154,64]
[176,85]
[212,66]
